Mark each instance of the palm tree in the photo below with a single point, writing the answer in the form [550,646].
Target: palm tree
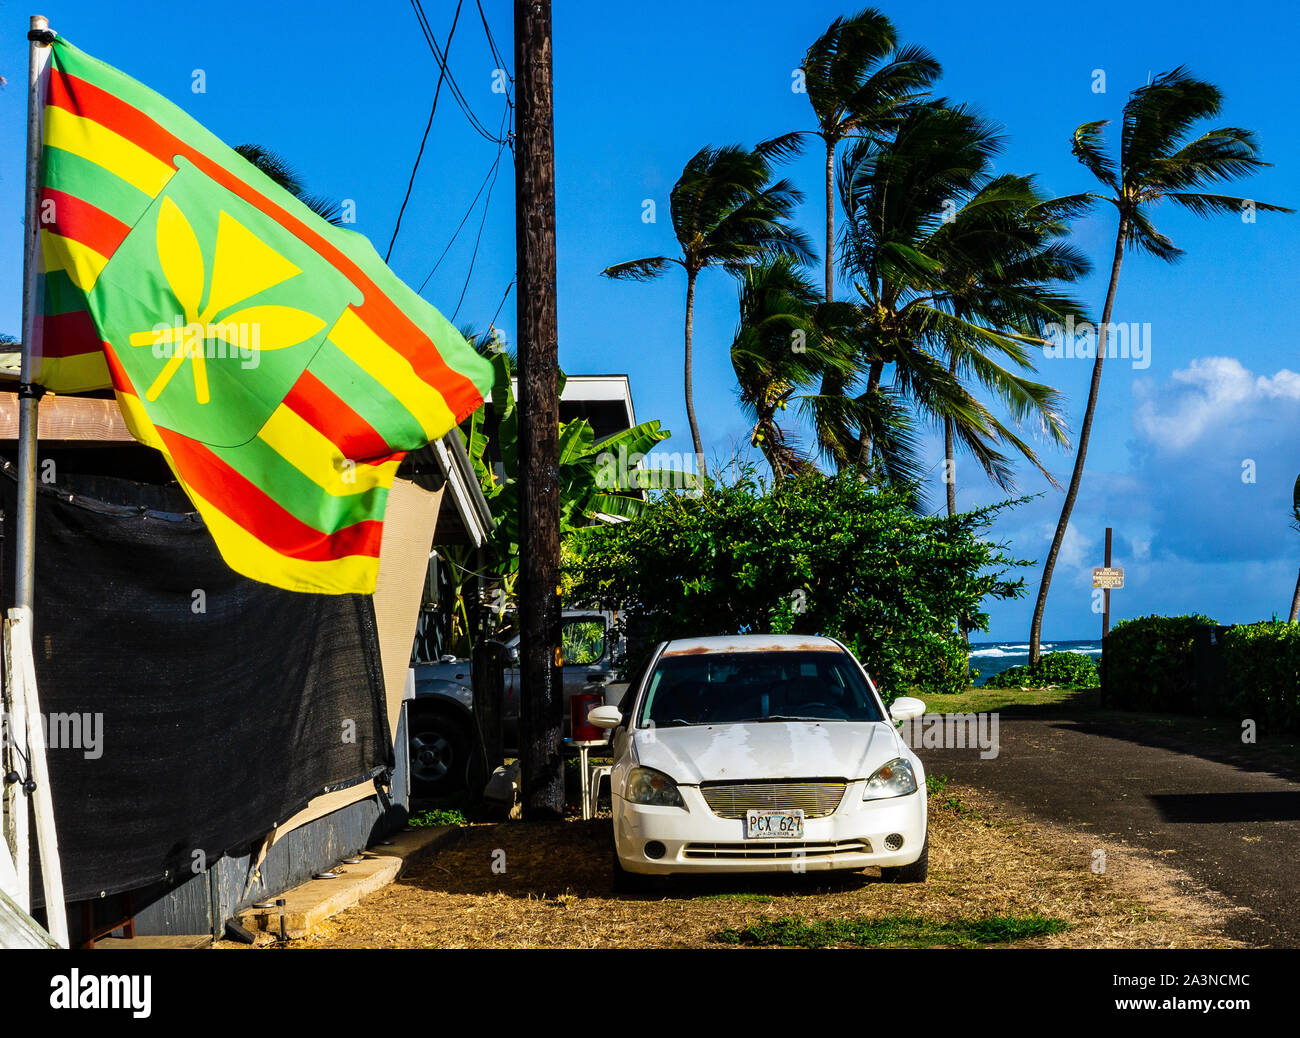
[1002,255]
[727,212]
[1158,159]
[275,167]
[926,229]
[1295,525]
[859,82]
[787,340]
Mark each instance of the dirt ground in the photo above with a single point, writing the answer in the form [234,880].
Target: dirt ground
[985,861]
[1224,811]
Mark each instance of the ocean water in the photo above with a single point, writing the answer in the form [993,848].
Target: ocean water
[991,658]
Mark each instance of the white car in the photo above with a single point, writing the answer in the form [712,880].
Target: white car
[762,753]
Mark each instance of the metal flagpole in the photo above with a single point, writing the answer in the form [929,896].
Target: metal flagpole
[24,570]
[22,670]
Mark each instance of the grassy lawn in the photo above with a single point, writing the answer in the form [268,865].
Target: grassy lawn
[979,700]
[896,931]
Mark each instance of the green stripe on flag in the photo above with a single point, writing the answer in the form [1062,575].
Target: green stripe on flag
[61,295]
[94,184]
[266,469]
[367,396]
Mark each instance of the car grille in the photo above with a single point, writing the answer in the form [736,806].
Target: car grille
[773,851]
[816,797]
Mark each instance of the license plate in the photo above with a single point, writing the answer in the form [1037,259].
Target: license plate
[774,825]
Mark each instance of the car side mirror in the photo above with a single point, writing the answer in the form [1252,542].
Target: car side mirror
[906,708]
[604,716]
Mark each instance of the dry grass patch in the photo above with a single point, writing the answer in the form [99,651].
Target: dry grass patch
[521,885]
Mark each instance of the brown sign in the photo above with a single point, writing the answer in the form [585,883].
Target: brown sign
[1109,577]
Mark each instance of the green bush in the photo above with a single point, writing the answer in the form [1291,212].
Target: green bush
[816,555]
[1149,664]
[1263,667]
[1072,669]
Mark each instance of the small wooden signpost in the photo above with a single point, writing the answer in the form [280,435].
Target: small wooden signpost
[1108,578]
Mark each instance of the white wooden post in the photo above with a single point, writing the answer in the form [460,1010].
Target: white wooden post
[47,840]
[17,831]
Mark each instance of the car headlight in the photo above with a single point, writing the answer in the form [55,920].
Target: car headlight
[647,786]
[895,779]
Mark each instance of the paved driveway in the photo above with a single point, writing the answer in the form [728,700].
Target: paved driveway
[1230,823]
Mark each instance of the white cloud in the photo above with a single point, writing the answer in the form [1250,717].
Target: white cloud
[1209,392]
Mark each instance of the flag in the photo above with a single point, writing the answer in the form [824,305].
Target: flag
[277,363]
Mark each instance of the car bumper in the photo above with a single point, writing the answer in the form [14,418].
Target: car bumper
[695,840]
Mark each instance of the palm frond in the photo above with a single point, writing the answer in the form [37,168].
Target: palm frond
[639,269]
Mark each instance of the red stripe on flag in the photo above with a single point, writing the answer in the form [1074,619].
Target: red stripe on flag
[245,503]
[85,99]
[316,404]
[383,316]
[69,335]
[116,372]
[77,219]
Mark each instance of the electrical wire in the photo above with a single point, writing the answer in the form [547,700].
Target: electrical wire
[488,176]
[477,239]
[492,323]
[496,55]
[456,92]
[410,183]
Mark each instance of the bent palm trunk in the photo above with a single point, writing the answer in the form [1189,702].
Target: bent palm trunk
[1076,476]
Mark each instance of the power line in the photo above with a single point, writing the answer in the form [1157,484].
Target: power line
[451,78]
[427,126]
[492,323]
[441,256]
[492,46]
[477,239]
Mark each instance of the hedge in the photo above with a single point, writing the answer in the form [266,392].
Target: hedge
[1069,669]
[1263,667]
[1148,664]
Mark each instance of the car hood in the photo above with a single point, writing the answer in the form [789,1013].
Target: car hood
[772,749]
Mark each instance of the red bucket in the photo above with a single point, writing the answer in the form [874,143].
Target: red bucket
[579,728]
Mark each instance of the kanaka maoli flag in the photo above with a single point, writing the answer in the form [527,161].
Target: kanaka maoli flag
[273,358]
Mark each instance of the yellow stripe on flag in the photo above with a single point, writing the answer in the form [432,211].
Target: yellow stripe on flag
[317,458]
[245,554]
[76,374]
[138,422]
[369,352]
[82,263]
[100,145]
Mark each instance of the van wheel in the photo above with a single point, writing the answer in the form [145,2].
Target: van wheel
[917,872]
[441,749]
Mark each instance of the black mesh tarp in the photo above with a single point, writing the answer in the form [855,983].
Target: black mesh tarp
[223,705]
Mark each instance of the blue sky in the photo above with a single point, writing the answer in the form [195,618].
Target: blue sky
[640,88]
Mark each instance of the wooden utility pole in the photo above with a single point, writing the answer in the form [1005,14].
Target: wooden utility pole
[540,680]
[1105,615]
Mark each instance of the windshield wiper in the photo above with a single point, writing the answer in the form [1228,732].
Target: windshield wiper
[782,717]
[676,722]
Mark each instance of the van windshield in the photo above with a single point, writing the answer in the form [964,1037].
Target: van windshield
[733,687]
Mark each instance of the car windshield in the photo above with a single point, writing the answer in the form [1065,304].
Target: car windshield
[731,687]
